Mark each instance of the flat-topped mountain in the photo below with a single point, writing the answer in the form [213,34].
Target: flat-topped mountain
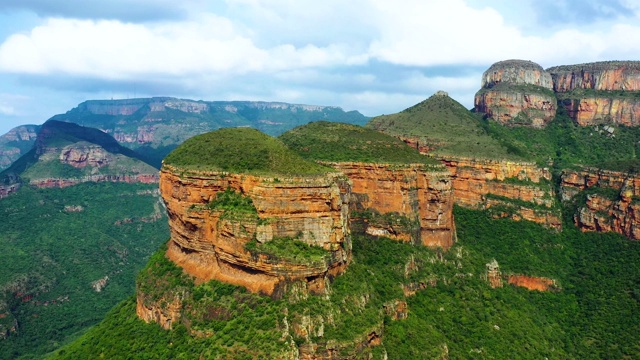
[155,126]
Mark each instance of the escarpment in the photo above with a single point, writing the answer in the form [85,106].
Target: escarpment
[218,244]
[396,192]
[599,93]
[517,92]
[411,203]
[241,218]
[607,200]
[519,190]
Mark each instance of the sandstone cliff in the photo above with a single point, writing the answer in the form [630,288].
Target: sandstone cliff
[611,200]
[208,246]
[516,92]
[522,189]
[605,75]
[419,193]
[599,93]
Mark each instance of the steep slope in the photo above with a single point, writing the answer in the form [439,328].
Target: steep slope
[443,127]
[155,126]
[516,92]
[598,93]
[65,154]
[16,143]
[396,191]
[487,171]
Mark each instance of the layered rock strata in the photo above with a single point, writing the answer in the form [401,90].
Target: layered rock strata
[312,209]
[599,93]
[524,188]
[420,194]
[516,92]
[611,204]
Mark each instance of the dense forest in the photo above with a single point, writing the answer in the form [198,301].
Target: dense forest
[69,255]
[590,315]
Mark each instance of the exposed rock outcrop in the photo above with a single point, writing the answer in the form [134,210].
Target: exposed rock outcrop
[604,75]
[611,203]
[516,92]
[599,93]
[208,246]
[420,194]
[532,282]
[524,188]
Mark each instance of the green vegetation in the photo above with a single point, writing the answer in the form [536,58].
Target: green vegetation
[520,88]
[445,125]
[288,249]
[566,144]
[43,161]
[592,316]
[580,93]
[326,141]
[240,150]
[56,243]
[234,205]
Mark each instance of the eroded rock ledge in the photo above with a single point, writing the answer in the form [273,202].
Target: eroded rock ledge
[312,209]
[420,194]
[611,201]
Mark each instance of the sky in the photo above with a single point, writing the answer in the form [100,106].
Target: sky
[374,56]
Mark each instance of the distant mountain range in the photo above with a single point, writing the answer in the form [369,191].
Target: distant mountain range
[155,126]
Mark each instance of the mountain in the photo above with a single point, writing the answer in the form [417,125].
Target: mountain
[448,235]
[155,126]
[65,154]
[249,269]
[16,143]
[74,236]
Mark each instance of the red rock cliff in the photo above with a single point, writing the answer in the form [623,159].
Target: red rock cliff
[420,193]
[613,204]
[606,75]
[599,93]
[312,209]
[524,187]
[516,92]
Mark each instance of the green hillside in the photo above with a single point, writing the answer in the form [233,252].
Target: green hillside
[329,141]
[447,126]
[240,150]
[452,130]
[593,315]
[56,244]
[55,138]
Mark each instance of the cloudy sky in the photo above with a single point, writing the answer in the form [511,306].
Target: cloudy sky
[375,56]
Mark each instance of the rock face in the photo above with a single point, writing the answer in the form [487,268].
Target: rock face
[15,143]
[517,92]
[532,282]
[600,92]
[524,188]
[421,194]
[605,75]
[611,203]
[313,209]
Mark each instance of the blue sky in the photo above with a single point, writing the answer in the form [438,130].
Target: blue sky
[375,56]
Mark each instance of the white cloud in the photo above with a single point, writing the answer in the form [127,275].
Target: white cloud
[11,104]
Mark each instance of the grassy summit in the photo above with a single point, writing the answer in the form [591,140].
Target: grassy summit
[241,150]
[328,141]
[445,124]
